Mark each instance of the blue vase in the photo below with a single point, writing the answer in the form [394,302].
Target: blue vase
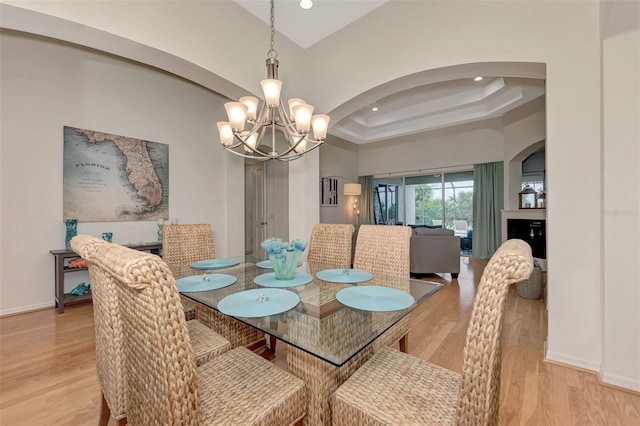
[284,256]
[72,231]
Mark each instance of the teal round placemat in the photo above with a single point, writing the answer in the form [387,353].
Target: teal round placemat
[266,264]
[375,298]
[344,276]
[195,282]
[214,263]
[245,304]
[269,280]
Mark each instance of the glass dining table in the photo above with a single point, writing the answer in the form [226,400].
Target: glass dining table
[328,317]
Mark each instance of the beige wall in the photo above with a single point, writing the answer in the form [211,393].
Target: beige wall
[139,30]
[621,159]
[339,159]
[464,145]
[524,133]
[47,85]
[422,36]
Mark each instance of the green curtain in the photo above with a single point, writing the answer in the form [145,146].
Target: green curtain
[488,202]
[366,201]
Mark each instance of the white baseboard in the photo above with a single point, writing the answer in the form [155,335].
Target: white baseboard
[606,378]
[621,381]
[28,308]
[585,364]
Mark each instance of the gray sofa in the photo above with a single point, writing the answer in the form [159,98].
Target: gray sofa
[435,250]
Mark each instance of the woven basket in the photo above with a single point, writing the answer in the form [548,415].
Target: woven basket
[532,287]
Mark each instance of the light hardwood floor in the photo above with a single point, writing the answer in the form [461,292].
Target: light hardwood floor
[47,363]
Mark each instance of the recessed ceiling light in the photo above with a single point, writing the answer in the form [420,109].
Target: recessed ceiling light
[375,108]
[306,4]
[478,78]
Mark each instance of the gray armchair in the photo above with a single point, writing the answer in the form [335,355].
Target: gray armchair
[435,251]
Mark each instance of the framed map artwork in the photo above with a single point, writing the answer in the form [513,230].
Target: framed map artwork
[114,178]
[329,192]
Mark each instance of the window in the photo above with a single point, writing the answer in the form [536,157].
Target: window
[432,200]
[533,170]
[535,181]
[424,200]
[387,194]
[458,204]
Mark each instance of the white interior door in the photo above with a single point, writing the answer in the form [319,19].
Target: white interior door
[260,207]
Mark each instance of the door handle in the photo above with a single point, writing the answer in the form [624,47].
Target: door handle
[263,223]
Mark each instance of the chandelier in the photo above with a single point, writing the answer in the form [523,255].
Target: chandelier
[294,123]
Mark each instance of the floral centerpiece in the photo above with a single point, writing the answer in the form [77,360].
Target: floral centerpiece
[284,256]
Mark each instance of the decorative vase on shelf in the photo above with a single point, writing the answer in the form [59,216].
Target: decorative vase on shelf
[72,231]
[160,224]
[284,256]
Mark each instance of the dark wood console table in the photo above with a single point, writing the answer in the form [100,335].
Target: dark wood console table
[61,268]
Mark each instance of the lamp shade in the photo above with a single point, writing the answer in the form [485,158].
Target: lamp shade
[251,141]
[302,147]
[320,123]
[252,106]
[226,134]
[352,189]
[237,113]
[293,102]
[271,88]
[302,114]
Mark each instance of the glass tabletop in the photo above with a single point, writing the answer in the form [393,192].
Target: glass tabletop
[319,324]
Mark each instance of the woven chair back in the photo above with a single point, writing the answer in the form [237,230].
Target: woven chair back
[160,367]
[108,327]
[383,250]
[479,394]
[183,244]
[330,244]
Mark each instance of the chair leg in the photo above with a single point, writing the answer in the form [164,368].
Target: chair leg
[105,413]
[272,344]
[404,343]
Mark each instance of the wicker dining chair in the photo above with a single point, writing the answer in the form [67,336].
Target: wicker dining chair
[165,387]
[184,244]
[330,244]
[395,388]
[384,251]
[188,243]
[109,332]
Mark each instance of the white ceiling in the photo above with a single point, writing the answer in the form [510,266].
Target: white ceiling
[307,27]
[435,106]
[420,109]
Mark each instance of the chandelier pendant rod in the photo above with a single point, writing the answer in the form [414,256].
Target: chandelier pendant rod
[272,112]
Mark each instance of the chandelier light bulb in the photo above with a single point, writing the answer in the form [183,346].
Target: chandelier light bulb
[271,89]
[293,102]
[226,134]
[320,124]
[237,114]
[302,114]
[302,147]
[251,141]
[252,106]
